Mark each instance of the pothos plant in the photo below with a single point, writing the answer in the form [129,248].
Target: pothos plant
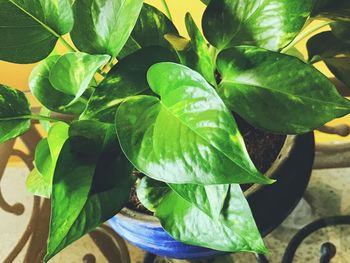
[144,98]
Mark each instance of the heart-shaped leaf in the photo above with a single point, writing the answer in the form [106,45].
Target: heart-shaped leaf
[29,29]
[126,78]
[277,92]
[334,52]
[104,26]
[234,230]
[90,172]
[46,94]
[202,143]
[14,113]
[271,24]
[73,72]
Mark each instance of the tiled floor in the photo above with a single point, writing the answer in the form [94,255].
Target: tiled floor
[328,194]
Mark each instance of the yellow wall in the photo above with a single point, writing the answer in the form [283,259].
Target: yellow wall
[17,75]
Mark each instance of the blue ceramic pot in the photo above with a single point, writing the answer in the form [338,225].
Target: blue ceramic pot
[270,204]
[145,232]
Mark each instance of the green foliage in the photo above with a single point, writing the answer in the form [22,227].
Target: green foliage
[189,111]
[29,29]
[270,24]
[338,10]
[127,78]
[91,171]
[48,96]
[14,113]
[233,229]
[258,79]
[73,72]
[332,50]
[172,122]
[104,26]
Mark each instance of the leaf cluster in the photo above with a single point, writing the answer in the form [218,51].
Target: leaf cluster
[142,97]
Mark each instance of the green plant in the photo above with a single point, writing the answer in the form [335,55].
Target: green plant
[168,99]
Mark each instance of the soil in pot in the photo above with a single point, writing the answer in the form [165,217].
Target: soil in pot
[262,147]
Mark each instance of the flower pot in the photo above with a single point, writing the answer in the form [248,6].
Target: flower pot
[270,204]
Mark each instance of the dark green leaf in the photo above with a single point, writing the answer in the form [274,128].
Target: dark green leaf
[149,30]
[73,72]
[127,78]
[46,94]
[151,27]
[14,113]
[264,23]
[29,29]
[198,57]
[277,92]
[338,10]
[91,183]
[234,230]
[130,47]
[341,30]
[334,52]
[188,136]
[104,26]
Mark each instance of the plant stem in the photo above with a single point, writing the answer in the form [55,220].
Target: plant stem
[305,34]
[32,117]
[167,9]
[67,45]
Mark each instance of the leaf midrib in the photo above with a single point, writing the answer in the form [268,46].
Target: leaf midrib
[214,146]
[285,93]
[36,19]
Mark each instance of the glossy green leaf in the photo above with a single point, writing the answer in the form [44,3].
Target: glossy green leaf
[198,57]
[14,113]
[38,185]
[39,182]
[276,92]
[338,10]
[264,23]
[43,161]
[234,230]
[46,94]
[104,26]
[126,78]
[151,27]
[91,171]
[210,198]
[188,136]
[334,52]
[73,72]
[29,29]
[130,47]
